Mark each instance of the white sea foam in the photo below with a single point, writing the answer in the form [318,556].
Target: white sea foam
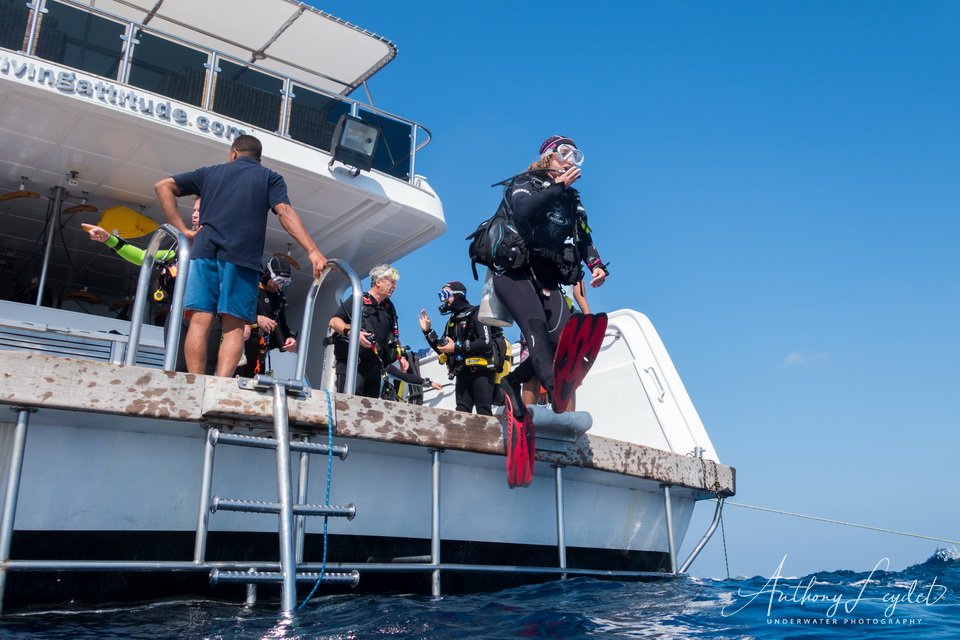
[949,554]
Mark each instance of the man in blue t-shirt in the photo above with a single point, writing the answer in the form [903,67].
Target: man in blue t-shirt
[227,248]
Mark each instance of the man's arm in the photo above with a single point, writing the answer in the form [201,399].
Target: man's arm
[340,322]
[167,192]
[292,224]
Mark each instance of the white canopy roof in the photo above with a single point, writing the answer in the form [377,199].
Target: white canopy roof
[288,37]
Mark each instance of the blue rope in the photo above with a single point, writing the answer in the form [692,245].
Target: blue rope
[323,565]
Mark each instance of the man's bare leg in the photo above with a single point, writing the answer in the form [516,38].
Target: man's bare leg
[195,345]
[231,347]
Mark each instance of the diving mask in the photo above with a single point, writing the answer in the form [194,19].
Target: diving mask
[389,274]
[280,281]
[279,271]
[569,153]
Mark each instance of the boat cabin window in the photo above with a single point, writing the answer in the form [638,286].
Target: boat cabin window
[313,117]
[171,69]
[247,95]
[81,40]
[393,148]
[13,23]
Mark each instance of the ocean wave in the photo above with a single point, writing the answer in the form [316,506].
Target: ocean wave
[920,601]
[944,555]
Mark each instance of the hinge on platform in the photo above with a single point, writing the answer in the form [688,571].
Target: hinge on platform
[262,382]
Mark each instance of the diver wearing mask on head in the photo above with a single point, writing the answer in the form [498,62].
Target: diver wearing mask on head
[549,214]
[271,330]
[379,334]
[470,349]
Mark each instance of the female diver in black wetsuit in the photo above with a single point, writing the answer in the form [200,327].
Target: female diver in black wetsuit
[549,215]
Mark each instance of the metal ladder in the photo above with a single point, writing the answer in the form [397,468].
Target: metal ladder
[286,506]
[291,529]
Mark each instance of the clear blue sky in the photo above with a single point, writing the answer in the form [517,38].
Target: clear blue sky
[776,186]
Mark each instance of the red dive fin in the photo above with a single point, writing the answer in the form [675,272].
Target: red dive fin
[516,444]
[521,440]
[577,350]
[531,440]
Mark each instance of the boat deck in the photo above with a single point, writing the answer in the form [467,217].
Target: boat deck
[58,383]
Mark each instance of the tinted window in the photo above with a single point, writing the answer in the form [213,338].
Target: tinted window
[393,148]
[13,23]
[313,117]
[248,95]
[168,68]
[80,40]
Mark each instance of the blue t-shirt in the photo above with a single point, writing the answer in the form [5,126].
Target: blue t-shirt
[235,199]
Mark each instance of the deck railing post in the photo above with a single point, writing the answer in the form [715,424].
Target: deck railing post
[206,483]
[284,490]
[285,106]
[251,599]
[561,536]
[53,223]
[211,65]
[413,153]
[668,512]
[130,41]
[435,521]
[12,493]
[38,8]
[303,480]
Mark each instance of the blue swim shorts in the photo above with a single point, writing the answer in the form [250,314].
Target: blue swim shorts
[221,287]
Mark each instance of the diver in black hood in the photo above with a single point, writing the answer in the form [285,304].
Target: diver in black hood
[271,330]
[468,348]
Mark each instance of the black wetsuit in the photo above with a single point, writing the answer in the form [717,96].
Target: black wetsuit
[380,319]
[470,362]
[271,304]
[552,220]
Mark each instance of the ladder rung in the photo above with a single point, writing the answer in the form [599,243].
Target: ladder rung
[219,437]
[275,577]
[256,506]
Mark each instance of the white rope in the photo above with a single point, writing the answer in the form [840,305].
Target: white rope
[846,524]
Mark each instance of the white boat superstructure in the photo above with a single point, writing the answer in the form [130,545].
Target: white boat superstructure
[99,102]
[109,469]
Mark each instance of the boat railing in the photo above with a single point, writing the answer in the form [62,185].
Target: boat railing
[173,325]
[354,340]
[98,42]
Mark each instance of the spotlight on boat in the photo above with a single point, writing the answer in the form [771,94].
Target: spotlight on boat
[354,143]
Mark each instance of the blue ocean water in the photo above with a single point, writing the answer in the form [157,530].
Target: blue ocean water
[919,602]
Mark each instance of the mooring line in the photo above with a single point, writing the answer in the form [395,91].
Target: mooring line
[846,524]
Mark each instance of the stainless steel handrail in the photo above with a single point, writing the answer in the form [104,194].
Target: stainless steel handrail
[175,314]
[706,537]
[353,349]
[425,142]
